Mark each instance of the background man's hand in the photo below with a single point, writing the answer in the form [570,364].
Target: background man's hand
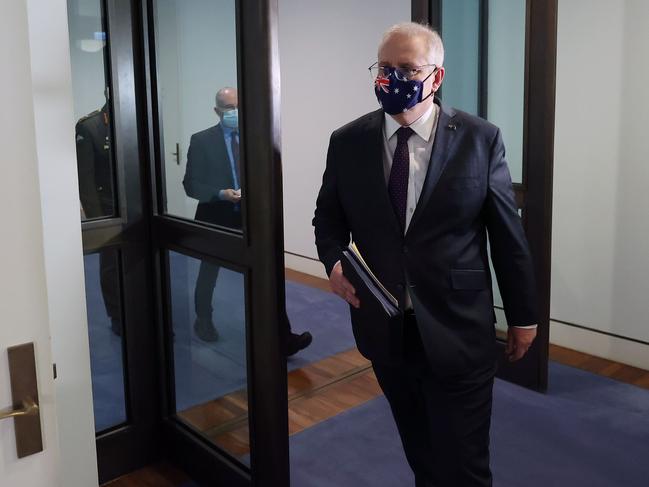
[232,195]
[518,341]
[342,287]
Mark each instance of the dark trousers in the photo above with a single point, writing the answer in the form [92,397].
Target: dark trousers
[205,283]
[109,281]
[443,422]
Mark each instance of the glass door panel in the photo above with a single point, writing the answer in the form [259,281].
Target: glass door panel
[209,351]
[484,43]
[506,77]
[196,56]
[104,307]
[220,290]
[461,23]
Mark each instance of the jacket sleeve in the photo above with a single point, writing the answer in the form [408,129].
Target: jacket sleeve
[510,252]
[193,182]
[86,171]
[331,229]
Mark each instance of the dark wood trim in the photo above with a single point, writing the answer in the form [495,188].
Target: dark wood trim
[260,105]
[483,60]
[134,444]
[227,245]
[539,155]
[196,456]
[421,10]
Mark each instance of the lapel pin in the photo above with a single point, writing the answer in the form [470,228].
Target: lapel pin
[452,126]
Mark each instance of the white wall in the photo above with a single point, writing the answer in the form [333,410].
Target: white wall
[41,284]
[23,290]
[57,163]
[600,275]
[325,50]
[87,65]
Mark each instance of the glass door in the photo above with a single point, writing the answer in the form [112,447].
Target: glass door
[115,237]
[217,236]
[500,65]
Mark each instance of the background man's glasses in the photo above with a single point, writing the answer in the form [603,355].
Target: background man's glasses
[404,73]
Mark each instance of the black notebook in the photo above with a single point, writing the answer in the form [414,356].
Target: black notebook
[365,282]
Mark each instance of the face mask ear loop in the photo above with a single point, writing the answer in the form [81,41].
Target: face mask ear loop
[431,91]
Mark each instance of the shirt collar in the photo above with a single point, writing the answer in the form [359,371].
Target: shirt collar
[423,126]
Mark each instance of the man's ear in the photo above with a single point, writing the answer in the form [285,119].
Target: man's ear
[438,77]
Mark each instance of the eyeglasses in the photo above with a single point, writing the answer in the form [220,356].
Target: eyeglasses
[404,73]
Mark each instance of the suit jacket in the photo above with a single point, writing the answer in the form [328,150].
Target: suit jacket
[94,164]
[208,172]
[467,195]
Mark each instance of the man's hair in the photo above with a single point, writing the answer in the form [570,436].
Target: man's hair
[412,29]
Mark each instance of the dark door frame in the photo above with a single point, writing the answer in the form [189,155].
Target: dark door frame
[534,195]
[257,252]
[134,443]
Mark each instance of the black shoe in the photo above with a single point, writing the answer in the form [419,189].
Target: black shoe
[205,330]
[116,326]
[296,342]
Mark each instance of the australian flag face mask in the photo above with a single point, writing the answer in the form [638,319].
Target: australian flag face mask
[396,95]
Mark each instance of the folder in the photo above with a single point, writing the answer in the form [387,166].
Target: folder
[378,323]
[366,283]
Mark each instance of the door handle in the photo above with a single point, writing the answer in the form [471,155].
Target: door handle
[177,153]
[30,408]
[26,413]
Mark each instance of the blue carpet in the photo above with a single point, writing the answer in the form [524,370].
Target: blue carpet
[587,431]
[205,371]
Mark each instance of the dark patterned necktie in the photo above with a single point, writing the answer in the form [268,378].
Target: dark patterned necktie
[398,182]
[234,145]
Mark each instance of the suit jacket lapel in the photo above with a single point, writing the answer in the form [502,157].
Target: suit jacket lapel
[374,152]
[445,135]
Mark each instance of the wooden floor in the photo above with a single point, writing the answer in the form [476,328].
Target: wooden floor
[322,390]
[316,392]
[158,475]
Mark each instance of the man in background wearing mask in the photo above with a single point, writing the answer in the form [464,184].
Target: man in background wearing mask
[418,185]
[213,177]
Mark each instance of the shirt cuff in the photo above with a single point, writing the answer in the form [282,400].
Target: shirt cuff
[528,327]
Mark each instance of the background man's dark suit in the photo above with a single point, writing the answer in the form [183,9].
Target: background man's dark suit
[94,167]
[208,172]
[443,259]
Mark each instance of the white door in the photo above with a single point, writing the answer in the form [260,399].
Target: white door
[41,274]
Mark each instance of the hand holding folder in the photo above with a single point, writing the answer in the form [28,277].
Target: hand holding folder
[379,309]
[368,287]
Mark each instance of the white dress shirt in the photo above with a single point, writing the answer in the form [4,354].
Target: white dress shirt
[420,148]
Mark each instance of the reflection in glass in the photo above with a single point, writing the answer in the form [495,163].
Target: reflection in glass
[105,330]
[504,65]
[88,57]
[198,107]
[461,31]
[209,328]
[506,79]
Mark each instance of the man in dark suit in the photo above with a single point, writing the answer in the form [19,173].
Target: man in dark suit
[419,186]
[95,171]
[213,178]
